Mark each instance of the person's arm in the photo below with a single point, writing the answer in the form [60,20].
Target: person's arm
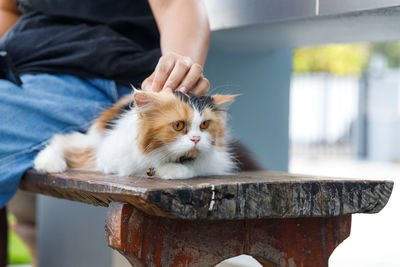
[185,36]
[9,14]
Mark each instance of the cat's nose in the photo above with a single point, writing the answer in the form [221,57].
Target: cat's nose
[195,139]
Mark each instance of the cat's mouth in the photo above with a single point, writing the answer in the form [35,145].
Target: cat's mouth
[188,156]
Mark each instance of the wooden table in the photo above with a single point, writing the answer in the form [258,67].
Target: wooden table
[278,218]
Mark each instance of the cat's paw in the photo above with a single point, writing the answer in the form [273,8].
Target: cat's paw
[174,171]
[49,160]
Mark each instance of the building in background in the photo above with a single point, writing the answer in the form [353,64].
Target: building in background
[345,102]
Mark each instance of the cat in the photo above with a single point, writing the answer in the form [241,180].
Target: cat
[169,135]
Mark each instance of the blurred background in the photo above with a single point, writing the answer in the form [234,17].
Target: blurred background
[345,121]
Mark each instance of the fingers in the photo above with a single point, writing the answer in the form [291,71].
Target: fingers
[178,74]
[146,84]
[163,69]
[201,87]
[191,79]
[175,72]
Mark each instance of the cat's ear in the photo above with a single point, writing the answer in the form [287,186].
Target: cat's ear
[223,101]
[144,99]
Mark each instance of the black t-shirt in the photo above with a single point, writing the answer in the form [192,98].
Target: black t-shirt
[116,40]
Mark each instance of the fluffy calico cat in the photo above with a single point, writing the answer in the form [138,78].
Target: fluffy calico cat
[170,135]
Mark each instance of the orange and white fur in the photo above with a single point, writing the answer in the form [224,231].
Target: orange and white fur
[179,136]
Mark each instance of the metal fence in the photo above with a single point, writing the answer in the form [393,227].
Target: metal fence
[324,110]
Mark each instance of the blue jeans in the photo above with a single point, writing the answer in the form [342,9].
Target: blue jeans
[43,106]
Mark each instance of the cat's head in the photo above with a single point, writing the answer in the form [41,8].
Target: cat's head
[180,125]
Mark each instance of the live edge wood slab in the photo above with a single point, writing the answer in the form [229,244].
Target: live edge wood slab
[280,219]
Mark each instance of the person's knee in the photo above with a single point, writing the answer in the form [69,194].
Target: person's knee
[23,207]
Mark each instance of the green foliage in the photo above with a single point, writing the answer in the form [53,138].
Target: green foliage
[343,59]
[17,251]
[391,51]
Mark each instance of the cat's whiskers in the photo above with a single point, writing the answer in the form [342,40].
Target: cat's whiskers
[165,155]
[160,156]
[223,86]
[143,136]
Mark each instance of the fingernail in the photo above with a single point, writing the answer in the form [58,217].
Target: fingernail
[183,90]
[169,90]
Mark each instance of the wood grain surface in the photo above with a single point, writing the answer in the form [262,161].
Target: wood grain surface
[247,195]
[155,241]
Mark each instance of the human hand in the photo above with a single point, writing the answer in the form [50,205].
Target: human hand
[177,73]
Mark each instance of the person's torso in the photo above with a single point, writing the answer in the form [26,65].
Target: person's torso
[103,38]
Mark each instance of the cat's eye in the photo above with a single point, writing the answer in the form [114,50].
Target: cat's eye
[205,124]
[178,125]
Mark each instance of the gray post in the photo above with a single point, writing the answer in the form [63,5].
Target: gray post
[260,115]
[71,234]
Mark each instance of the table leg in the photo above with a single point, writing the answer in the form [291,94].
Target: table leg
[155,241]
[296,242]
[3,237]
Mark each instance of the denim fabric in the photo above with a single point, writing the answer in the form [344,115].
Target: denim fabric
[43,106]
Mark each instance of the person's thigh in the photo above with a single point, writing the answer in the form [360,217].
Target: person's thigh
[43,106]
